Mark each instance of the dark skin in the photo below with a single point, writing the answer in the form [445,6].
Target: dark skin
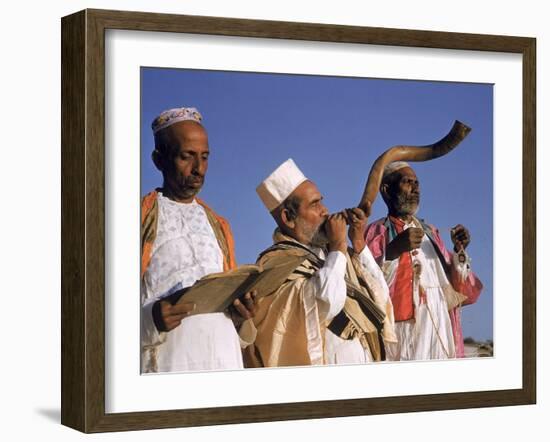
[401,192]
[172,314]
[184,171]
[460,236]
[357,222]
[243,309]
[312,216]
[183,177]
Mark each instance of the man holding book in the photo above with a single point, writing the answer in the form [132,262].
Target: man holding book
[182,240]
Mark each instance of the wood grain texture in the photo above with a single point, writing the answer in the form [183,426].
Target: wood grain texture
[73,255]
[529,220]
[83,220]
[307,410]
[307,31]
[95,222]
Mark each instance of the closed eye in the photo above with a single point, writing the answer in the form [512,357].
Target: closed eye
[316,202]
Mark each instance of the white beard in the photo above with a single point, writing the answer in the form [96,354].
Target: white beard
[319,239]
[406,207]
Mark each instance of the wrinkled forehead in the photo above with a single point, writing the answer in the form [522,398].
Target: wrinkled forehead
[405,172]
[399,175]
[185,135]
[307,192]
[183,130]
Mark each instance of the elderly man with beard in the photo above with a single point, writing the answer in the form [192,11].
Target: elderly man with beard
[309,320]
[182,240]
[427,283]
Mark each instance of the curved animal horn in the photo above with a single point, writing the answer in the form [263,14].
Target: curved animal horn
[458,132]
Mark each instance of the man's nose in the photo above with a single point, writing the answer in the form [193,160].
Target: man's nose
[199,166]
[324,210]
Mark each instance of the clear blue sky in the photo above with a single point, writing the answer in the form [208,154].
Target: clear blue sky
[334,128]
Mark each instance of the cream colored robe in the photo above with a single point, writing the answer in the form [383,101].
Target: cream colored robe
[292,322]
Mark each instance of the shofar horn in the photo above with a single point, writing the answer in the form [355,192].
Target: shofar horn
[409,153]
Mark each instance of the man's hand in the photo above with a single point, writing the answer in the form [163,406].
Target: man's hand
[460,236]
[243,309]
[357,221]
[406,241]
[335,228]
[170,316]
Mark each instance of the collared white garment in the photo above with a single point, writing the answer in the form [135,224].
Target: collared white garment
[324,297]
[350,351]
[429,334]
[291,322]
[185,249]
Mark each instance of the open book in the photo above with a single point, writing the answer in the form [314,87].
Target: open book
[217,291]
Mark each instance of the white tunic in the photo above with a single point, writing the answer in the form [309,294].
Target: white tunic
[350,351]
[185,249]
[429,334]
[324,297]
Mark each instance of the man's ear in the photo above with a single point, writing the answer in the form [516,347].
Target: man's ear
[384,191]
[158,160]
[285,219]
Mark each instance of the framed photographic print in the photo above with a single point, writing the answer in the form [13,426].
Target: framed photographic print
[333,99]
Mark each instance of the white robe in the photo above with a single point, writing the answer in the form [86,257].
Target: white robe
[338,350]
[429,334]
[185,249]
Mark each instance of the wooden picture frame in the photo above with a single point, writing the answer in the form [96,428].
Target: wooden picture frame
[83,220]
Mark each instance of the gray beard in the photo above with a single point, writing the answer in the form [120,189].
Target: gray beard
[317,238]
[405,205]
[189,192]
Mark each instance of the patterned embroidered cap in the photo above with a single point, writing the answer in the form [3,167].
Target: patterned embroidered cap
[171,116]
[280,184]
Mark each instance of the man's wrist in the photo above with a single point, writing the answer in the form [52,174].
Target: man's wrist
[337,246]
[358,246]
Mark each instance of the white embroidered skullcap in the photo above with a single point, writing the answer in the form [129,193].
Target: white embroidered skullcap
[392,167]
[171,116]
[280,184]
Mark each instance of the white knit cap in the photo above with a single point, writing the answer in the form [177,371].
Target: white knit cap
[392,167]
[280,184]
